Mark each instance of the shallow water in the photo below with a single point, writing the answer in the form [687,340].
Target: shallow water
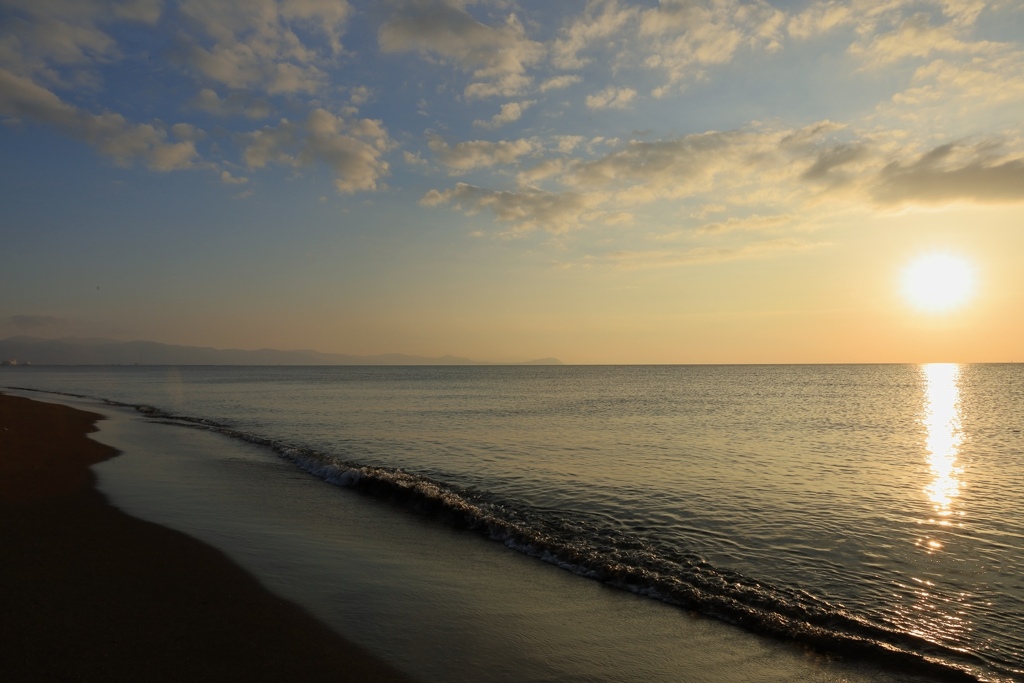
[863,510]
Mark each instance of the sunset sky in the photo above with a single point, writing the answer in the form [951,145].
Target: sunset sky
[604,182]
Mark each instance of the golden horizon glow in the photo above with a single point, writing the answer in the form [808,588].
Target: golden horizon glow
[938,282]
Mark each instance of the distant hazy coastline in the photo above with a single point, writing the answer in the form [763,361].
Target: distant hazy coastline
[79,351]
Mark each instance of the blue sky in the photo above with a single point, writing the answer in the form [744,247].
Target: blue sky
[699,181]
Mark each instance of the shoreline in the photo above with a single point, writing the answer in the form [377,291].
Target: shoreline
[432,600]
[91,593]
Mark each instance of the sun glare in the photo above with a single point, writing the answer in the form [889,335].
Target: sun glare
[937,283]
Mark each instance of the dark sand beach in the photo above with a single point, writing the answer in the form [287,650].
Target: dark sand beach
[89,593]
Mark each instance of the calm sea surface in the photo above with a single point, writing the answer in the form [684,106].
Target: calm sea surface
[873,511]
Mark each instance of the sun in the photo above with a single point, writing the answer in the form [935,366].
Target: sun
[938,283]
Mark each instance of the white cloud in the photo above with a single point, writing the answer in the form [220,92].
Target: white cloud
[236,103]
[611,98]
[559,82]
[360,95]
[510,111]
[187,131]
[542,171]
[567,143]
[238,66]
[819,18]
[772,173]
[242,56]
[830,162]
[327,16]
[915,36]
[61,41]
[639,173]
[968,86]
[964,12]
[599,22]
[680,167]
[228,179]
[683,37]
[254,44]
[896,28]
[413,159]
[353,149]
[496,57]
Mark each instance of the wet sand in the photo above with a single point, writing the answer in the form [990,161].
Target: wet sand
[89,593]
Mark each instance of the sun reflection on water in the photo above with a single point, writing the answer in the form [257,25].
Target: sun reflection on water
[928,608]
[944,435]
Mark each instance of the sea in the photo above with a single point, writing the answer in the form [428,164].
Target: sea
[734,522]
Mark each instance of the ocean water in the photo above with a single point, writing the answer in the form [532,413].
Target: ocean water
[871,512]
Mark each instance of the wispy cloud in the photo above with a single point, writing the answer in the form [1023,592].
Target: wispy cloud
[63,41]
[474,154]
[559,82]
[525,209]
[112,134]
[755,223]
[510,111]
[952,173]
[674,258]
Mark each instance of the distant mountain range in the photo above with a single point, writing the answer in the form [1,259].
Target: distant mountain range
[78,351]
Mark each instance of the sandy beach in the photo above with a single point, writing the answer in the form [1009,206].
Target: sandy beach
[90,593]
